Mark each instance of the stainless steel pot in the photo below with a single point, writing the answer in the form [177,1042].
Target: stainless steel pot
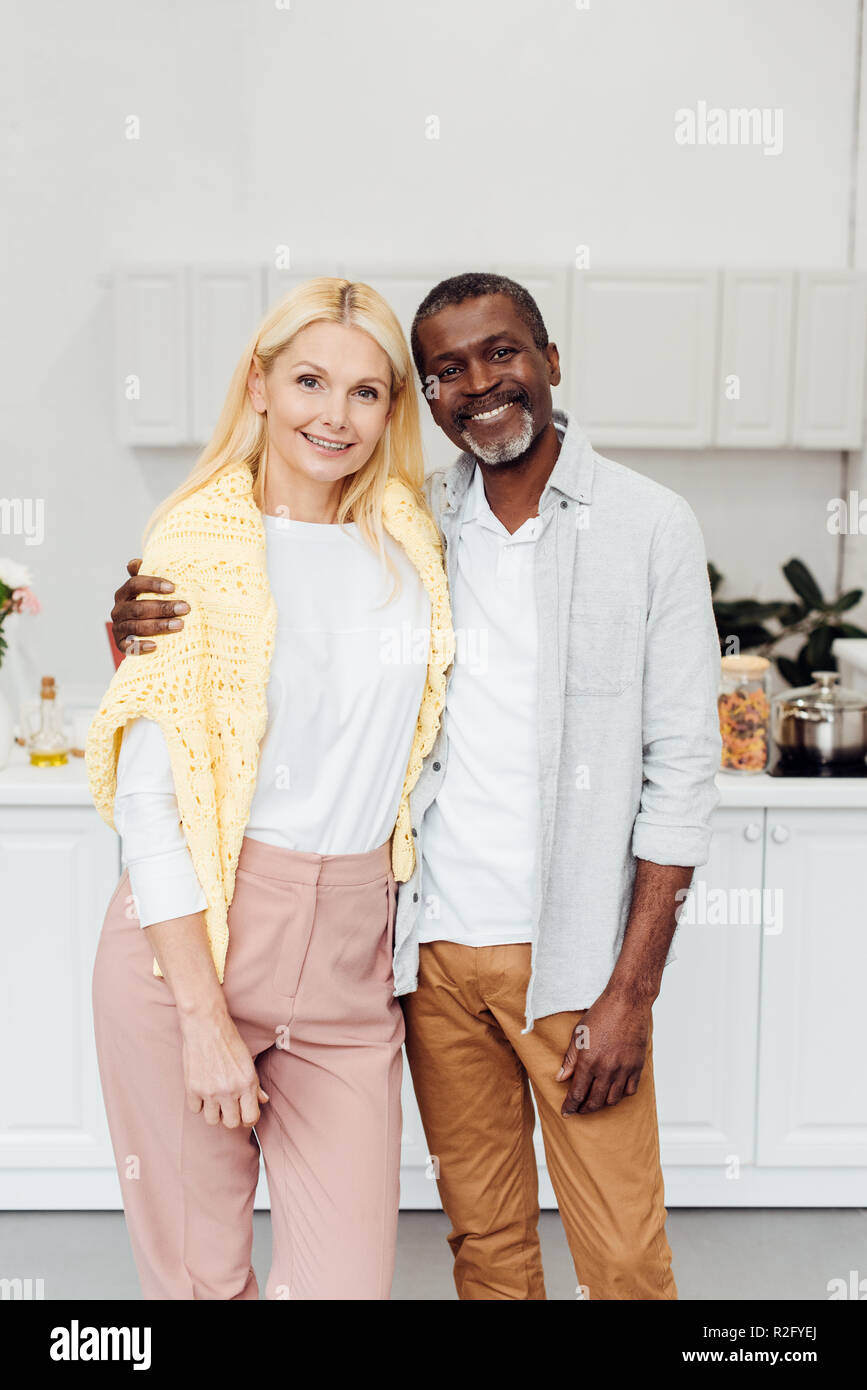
[821,723]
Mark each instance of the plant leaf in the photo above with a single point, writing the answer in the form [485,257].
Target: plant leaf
[804,584]
[849,600]
[714,576]
[849,630]
[793,613]
[789,670]
[744,608]
[817,652]
[749,635]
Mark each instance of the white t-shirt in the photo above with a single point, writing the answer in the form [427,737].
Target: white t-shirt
[345,684]
[479,840]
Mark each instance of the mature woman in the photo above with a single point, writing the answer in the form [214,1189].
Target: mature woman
[258,766]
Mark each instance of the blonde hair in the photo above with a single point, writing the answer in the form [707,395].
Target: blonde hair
[241,433]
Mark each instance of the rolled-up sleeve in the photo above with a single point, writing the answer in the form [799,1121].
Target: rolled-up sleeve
[162,877]
[681,736]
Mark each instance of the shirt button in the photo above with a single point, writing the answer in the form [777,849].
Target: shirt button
[564,504]
[415,897]
[415,833]
[437,766]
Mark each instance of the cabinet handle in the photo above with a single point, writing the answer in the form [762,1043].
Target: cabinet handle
[752,831]
[779,834]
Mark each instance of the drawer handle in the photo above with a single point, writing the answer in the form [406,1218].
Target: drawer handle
[752,831]
[779,834]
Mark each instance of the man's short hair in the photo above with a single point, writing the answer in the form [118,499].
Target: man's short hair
[474,285]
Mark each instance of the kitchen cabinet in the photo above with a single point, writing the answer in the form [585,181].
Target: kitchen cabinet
[404,291]
[551,291]
[278,282]
[58,865]
[752,388]
[757,1030]
[226,304]
[812,1097]
[152,354]
[705,1028]
[828,397]
[642,365]
[648,354]
[759,1019]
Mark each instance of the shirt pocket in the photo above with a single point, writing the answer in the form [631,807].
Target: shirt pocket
[603,648]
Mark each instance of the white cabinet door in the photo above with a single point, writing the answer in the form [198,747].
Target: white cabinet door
[550,289]
[278,283]
[812,1093]
[828,398]
[58,867]
[227,305]
[152,389]
[754,370]
[404,291]
[705,1020]
[642,366]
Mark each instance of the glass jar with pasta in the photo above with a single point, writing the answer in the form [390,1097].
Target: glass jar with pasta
[744,712]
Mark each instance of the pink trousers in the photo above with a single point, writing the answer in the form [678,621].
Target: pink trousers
[309,984]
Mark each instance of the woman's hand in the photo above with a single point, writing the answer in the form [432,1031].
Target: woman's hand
[134,619]
[219,1073]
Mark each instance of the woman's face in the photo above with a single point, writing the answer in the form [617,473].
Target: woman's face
[327,398]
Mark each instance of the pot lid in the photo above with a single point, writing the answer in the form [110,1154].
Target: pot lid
[825,694]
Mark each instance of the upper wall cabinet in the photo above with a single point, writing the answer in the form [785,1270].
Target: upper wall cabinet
[226,306]
[651,358]
[755,361]
[828,404]
[550,289]
[404,290]
[152,350]
[643,355]
[279,282]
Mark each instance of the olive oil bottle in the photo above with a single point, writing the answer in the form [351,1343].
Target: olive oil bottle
[48,745]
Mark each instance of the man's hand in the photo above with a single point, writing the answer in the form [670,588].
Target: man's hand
[606,1054]
[606,1059]
[134,619]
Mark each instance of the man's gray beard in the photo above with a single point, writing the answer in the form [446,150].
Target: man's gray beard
[507,450]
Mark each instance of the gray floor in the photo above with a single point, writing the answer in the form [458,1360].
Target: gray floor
[732,1254]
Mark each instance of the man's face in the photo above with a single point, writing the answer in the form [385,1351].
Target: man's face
[494,383]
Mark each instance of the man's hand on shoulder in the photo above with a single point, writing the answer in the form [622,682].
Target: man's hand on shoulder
[135,620]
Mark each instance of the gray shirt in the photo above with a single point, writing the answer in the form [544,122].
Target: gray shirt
[629,740]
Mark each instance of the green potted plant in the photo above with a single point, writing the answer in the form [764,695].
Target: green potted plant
[746,624]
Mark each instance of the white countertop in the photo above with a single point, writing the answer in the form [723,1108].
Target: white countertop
[23,785]
[758,789]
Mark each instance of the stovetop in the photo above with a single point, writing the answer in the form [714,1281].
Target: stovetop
[800,767]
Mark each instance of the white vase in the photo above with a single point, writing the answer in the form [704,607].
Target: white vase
[7,732]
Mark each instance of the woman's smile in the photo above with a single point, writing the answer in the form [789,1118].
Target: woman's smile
[323,445]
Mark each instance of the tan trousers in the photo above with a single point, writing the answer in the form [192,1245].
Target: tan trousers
[472,1070]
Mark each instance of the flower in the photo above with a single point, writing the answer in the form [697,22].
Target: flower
[25,601]
[13,575]
[16,595]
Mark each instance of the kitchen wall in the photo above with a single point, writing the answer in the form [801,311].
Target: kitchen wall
[305,124]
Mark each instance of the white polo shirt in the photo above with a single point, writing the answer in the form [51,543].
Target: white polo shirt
[479,840]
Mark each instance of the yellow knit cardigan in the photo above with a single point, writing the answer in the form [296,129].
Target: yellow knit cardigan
[205,685]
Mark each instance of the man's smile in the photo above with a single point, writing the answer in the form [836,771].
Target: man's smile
[491,414]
